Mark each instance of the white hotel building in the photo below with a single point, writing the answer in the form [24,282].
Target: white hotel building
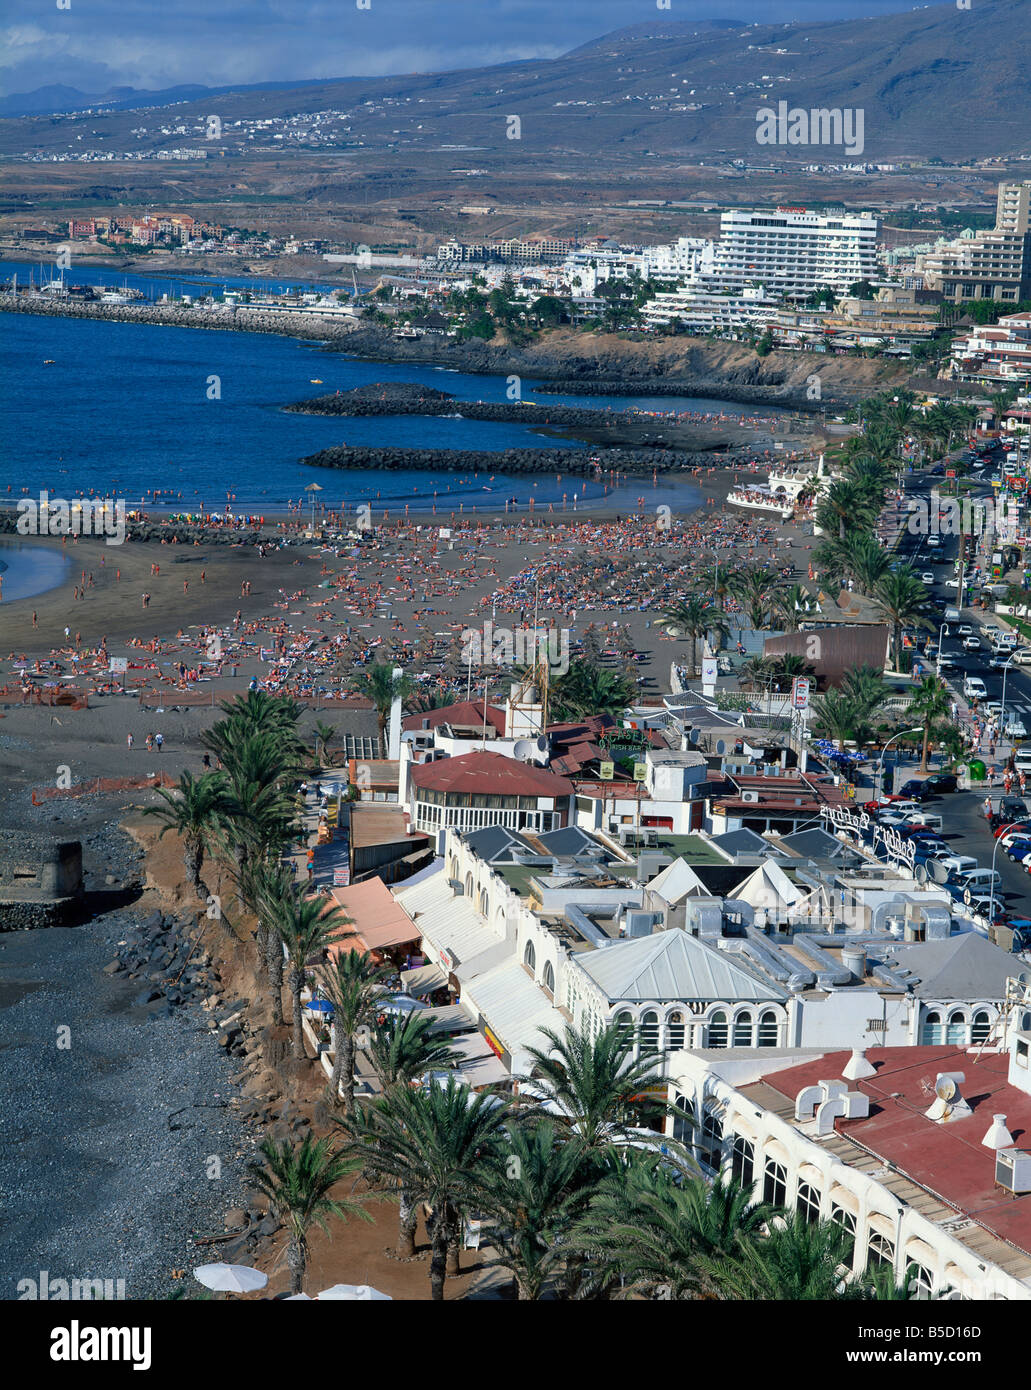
[793,252]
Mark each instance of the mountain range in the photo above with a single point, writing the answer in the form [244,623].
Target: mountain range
[937,81]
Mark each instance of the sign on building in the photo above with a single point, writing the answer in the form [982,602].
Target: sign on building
[800,692]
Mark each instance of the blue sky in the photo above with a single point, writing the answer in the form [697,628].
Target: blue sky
[97,44]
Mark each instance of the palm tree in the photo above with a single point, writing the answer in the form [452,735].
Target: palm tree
[324,734]
[903,599]
[353,984]
[588,689]
[931,701]
[843,506]
[533,1210]
[267,886]
[754,589]
[593,1079]
[866,687]
[756,671]
[444,1144]
[297,1180]
[306,927]
[379,684]
[401,1050]
[657,1235]
[693,617]
[787,667]
[865,560]
[798,1261]
[791,606]
[717,580]
[193,813]
[836,716]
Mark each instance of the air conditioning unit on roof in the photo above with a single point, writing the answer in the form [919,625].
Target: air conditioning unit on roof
[750,795]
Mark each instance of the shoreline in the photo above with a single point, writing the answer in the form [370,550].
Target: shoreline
[473,357]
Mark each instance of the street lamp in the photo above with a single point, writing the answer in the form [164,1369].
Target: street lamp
[1002,712]
[938,664]
[880,765]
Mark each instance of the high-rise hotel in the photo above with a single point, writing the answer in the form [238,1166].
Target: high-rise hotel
[987,265]
[793,251]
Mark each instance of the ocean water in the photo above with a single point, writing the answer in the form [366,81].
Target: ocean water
[123,410]
[27,569]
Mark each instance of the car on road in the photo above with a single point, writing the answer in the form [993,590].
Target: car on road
[927,577]
[1010,830]
[974,688]
[964,630]
[942,781]
[918,788]
[971,644]
[1022,762]
[992,708]
[999,660]
[1023,656]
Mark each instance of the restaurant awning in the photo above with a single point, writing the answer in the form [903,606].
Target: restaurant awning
[423,980]
[378,921]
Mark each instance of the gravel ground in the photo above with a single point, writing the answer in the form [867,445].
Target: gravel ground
[110,1142]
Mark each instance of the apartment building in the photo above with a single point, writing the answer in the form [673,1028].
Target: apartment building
[987,264]
[998,354]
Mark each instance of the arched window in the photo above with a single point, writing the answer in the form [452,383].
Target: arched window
[808,1202]
[775,1183]
[879,1251]
[684,1121]
[742,1161]
[921,1282]
[624,1021]
[718,1029]
[956,1032]
[484,902]
[980,1027]
[675,1031]
[847,1221]
[469,886]
[530,956]
[710,1148]
[768,1029]
[548,978]
[743,1030]
[650,1031]
[932,1034]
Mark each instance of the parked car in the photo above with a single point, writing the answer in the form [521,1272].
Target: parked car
[1022,762]
[964,630]
[927,577]
[918,788]
[942,782]
[1023,656]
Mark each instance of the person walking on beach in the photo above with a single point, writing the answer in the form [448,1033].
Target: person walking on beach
[35,621]
[150,743]
[159,740]
[129,741]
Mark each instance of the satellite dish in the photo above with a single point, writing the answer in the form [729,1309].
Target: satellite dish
[721,747]
[945,1088]
[692,736]
[524,749]
[542,743]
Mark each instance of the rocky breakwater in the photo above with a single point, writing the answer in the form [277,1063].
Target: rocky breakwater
[785,397]
[215,316]
[410,398]
[584,462]
[156,529]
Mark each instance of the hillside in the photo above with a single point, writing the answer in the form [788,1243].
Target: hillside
[937,81]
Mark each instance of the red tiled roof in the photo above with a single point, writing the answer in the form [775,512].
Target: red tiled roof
[465,712]
[948,1159]
[490,774]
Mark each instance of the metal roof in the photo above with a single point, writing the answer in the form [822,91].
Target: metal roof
[672,965]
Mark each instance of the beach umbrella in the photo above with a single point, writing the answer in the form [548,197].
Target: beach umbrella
[230,1278]
[298,1298]
[353,1293]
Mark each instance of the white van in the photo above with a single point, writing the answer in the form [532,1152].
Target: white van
[952,615]
[1023,657]
[974,688]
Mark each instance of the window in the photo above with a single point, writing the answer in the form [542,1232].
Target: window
[742,1162]
[484,903]
[956,1032]
[921,1282]
[932,1034]
[743,1030]
[710,1148]
[625,1023]
[549,977]
[775,1183]
[880,1251]
[718,1029]
[808,1202]
[650,1031]
[683,1121]
[675,1031]
[847,1221]
[530,956]
[768,1029]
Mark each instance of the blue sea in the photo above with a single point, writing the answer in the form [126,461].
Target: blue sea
[123,411]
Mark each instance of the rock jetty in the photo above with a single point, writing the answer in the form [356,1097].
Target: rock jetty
[585,462]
